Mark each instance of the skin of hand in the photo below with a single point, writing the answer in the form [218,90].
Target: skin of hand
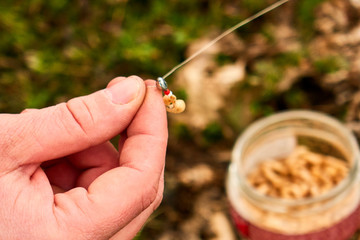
[61,178]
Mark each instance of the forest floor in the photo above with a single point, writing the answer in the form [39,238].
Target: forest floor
[238,81]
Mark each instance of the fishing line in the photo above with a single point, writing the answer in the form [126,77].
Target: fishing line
[227,32]
[177,105]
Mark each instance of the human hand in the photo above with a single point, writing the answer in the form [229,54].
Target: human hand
[61,178]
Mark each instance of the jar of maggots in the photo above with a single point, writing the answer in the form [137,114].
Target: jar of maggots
[295,175]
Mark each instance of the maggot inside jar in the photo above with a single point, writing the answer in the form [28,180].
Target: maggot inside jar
[294,175]
[301,174]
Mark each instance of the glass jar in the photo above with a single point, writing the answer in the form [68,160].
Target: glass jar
[333,215]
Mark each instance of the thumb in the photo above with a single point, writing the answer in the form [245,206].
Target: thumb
[82,122]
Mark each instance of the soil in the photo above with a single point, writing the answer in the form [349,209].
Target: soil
[325,79]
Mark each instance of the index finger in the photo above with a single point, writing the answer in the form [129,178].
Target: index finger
[147,133]
[119,195]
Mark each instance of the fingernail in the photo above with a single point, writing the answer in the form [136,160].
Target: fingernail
[124,91]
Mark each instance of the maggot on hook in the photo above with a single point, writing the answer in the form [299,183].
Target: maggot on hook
[172,104]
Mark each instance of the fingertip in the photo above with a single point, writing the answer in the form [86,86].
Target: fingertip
[28,110]
[136,77]
[151,117]
[114,81]
[154,96]
[120,78]
[150,83]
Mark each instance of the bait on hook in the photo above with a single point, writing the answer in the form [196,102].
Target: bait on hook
[172,104]
[175,105]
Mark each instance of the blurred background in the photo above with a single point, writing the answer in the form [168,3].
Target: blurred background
[303,55]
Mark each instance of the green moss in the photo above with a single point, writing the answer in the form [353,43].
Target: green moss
[82,47]
[269,73]
[295,98]
[181,94]
[182,132]
[261,108]
[254,6]
[268,32]
[330,64]
[223,59]
[305,16]
[289,58]
[213,133]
